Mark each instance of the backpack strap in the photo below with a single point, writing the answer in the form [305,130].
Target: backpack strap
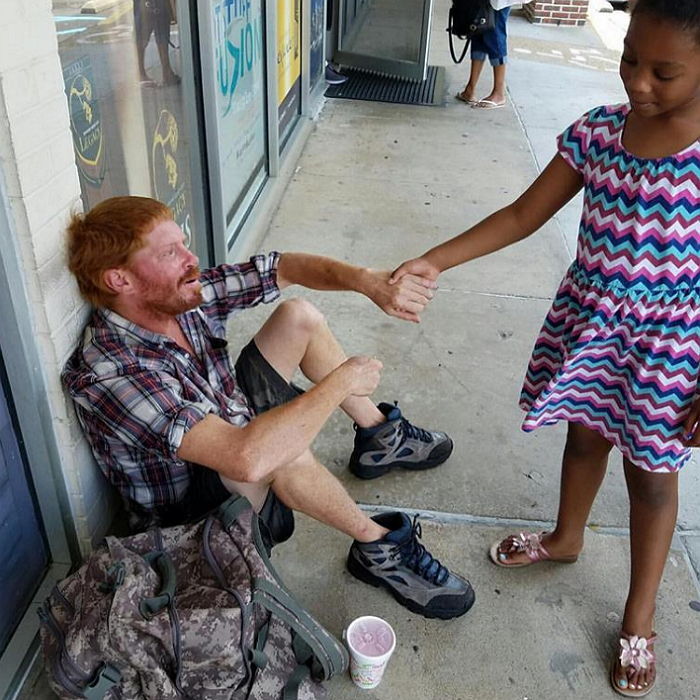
[291,688]
[106,677]
[163,564]
[258,657]
[229,511]
[330,656]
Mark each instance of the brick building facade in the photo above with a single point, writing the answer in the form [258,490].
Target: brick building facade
[559,12]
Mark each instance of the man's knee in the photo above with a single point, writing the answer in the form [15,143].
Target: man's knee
[306,460]
[301,314]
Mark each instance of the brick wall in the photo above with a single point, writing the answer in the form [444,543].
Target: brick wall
[560,12]
[38,167]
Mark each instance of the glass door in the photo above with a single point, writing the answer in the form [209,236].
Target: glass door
[389,37]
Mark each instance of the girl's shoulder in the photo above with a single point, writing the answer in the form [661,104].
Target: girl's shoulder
[611,117]
[599,128]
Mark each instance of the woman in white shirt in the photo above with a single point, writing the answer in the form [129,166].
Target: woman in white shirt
[493,45]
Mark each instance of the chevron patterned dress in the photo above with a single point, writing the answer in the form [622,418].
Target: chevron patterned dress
[619,351]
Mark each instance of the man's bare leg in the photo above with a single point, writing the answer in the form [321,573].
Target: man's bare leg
[297,336]
[307,486]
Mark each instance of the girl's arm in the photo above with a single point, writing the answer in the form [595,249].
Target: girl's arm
[555,186]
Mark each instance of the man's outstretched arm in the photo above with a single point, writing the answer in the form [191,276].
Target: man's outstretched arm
[406,299]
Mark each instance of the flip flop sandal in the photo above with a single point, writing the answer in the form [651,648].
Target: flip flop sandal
[528,542]
[460,96]
[638,653]
[487,104]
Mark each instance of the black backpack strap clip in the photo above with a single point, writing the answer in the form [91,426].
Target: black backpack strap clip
[105,678]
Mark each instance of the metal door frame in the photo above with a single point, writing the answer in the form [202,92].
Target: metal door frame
[29,397]
[410,70]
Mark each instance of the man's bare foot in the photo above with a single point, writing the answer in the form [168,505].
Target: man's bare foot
[633,672]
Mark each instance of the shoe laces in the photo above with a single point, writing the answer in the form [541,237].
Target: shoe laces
[413,431]
[417,558]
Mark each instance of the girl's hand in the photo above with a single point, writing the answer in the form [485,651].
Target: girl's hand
[419,267]
[406,299]
[691,426]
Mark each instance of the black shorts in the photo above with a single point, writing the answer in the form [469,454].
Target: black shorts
[264,388]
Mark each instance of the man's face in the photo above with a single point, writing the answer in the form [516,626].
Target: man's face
[165,273]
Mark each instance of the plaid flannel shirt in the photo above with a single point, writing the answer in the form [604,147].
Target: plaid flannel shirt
[137,393]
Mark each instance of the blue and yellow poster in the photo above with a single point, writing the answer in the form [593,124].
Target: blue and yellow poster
[85,122]
[288,63]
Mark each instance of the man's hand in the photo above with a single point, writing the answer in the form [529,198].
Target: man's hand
[418,267]
[691,426]
[404,299]
[362,373]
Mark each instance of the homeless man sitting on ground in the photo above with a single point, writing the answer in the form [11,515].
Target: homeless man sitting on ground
[176,429]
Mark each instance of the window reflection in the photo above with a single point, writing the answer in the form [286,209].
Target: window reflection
[121,64]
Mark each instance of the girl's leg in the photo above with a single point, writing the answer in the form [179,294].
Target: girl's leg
[653,512]
[583,468]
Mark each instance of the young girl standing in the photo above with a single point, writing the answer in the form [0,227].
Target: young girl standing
[618,356]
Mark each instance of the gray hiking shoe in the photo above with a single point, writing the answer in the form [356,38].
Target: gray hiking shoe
[402,565]
[396,443]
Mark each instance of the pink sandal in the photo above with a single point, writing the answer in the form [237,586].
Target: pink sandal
[528,542]
[637,652]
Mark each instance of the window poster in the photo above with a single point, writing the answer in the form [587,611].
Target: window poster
[240,95]
[167,171]
[288,63]
[85,122]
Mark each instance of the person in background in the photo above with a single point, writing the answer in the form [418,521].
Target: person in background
[492,44]
[154,17]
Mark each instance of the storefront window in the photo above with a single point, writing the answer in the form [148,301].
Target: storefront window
[122,68]
[239,61]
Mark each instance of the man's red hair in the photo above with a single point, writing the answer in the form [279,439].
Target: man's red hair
[106,237]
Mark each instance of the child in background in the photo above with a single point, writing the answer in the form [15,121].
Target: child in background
[619,353]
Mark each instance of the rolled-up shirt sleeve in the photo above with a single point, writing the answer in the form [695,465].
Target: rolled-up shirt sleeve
[229,288]
[145,410]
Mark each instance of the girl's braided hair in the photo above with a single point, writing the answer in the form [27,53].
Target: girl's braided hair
[684,13]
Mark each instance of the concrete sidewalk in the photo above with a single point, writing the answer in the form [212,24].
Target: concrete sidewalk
[378,183]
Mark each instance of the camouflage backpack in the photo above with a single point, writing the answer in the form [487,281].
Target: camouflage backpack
[188,612]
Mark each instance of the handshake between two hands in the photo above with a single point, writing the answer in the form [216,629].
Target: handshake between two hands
[406,291]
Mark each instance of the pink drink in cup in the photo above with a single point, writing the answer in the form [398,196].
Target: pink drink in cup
[371,642]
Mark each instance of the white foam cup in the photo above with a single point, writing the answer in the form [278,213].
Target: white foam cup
[371,642]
